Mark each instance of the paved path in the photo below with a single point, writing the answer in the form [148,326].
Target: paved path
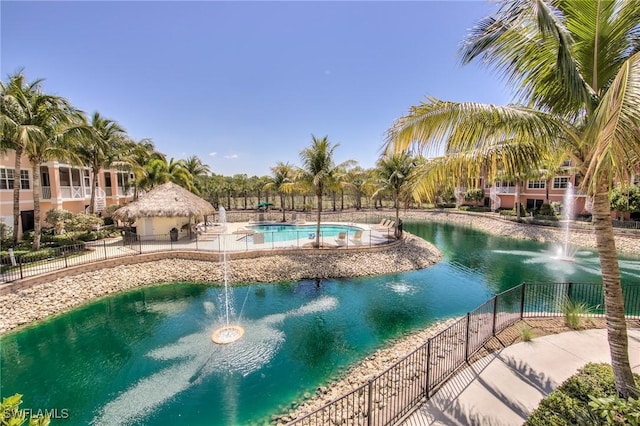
[504,387]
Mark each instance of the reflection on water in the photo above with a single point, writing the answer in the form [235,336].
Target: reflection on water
[146,357]
[197,357]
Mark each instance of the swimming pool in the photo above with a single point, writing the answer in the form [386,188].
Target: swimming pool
[285,232]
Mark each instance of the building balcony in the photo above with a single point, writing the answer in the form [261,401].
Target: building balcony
[505,190]
[75,192]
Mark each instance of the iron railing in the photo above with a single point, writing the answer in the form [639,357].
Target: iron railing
[15,267]
[390,396]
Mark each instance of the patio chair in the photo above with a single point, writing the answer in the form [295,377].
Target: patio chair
[357,237]
[383,226]
[342,238]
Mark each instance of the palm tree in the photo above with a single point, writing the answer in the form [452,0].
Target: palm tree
[156,172]
[100,147]
[54,119]
[318,165]
[281,181]
[142,154]
[575,67]
[198,170]
[393,173]
[18,127]
[179,174]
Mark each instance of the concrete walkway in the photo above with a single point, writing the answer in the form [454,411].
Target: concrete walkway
[503,388]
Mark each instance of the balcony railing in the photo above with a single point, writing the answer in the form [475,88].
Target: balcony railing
[505,190]
[46,192]
[75,192]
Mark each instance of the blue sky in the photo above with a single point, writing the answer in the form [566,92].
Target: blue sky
[243,85]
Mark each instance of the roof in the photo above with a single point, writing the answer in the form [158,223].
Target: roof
[166,200]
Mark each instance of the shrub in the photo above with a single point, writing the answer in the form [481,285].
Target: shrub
[546,210]
[583,399]
[464,208]
[58,218]
[574,312]
[84,222]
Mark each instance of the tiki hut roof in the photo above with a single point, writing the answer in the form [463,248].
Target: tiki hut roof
[166,200]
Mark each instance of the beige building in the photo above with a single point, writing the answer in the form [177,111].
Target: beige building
[62,186]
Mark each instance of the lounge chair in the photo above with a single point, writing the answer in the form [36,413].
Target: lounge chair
[383,226]
[357,237]
[342,238]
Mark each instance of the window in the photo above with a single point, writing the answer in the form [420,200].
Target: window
[86,179]
[24,179]
[6,179]
[534,204]
[560,182]
[536,184]
[566,163]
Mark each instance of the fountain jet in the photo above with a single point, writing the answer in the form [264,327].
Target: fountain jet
[228,333]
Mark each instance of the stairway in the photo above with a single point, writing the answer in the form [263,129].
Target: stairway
[100,201]
[495,199]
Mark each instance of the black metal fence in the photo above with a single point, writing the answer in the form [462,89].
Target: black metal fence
[388,397]
[15,266]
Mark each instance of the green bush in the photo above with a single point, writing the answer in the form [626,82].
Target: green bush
[464,208]
[546,210]
[572,403]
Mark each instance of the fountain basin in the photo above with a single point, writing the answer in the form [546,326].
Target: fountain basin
[227,334]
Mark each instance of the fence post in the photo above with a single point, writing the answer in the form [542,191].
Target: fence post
[569,290]
[369,404]
[428,367]
[139,245]
[104,245]
[20,263]
[466,340]
[495,314]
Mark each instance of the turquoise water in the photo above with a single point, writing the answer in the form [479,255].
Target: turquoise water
[145,358]
[280,232]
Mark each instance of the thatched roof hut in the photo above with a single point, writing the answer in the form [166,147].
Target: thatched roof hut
[164,207]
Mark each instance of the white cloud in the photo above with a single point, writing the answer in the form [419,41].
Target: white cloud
[232,156]
[213,154]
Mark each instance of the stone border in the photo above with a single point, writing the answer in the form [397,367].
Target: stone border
[52,295]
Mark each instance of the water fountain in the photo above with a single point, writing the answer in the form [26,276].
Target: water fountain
[566,252]
[228,333]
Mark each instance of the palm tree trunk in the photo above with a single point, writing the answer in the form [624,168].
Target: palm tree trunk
[16,194]
[613,298]
[518,206]
[396,228]
[319,218]
[37,226]
[284,218]
[92,203]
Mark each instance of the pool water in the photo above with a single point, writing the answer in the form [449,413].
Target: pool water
[281,232]
[145,357]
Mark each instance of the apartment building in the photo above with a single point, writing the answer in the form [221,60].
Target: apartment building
[62,186]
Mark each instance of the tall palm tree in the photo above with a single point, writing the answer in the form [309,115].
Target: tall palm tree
[394,173]
[18,127]
[55,118]
[100,147]
[575,67]
[281,181]
[318,166]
